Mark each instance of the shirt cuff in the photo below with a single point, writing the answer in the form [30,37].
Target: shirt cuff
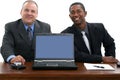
[10,57]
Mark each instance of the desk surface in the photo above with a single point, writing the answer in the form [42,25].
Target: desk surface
[80,74]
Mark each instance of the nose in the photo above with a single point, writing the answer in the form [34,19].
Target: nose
[29,12]
[75,14]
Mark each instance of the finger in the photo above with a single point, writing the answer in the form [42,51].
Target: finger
[21,59]
[13,60]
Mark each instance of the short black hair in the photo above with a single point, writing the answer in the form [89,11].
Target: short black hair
[77,3]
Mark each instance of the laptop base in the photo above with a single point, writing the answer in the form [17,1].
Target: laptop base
[54,66]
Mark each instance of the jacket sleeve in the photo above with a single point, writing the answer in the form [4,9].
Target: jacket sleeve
[84,57]
[108,44]
[7,44]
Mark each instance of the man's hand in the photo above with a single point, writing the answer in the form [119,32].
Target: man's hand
[18,58]
[109,59]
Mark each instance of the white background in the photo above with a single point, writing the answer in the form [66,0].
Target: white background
[56,13]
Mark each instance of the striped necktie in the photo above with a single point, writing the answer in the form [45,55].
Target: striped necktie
[29,30]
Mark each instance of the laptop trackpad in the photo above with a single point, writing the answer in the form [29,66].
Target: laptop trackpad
[52,64]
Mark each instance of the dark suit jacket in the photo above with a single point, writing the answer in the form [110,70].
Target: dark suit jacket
[15,40]
[97,36]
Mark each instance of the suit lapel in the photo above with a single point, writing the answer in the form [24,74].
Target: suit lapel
[79,42]
[92,33]
[23,33]
[37,29]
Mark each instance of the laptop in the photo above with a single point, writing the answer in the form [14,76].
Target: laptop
[54,51]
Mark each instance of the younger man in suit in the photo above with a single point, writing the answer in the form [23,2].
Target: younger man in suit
[16,46]
[96,35]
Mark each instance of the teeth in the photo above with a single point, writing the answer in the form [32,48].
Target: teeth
[76,18]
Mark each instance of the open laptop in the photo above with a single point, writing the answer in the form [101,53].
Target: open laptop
[54,51]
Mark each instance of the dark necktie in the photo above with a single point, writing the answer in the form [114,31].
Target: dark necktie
[86,40]
[29,30]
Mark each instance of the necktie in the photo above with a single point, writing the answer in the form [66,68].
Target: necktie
[30,33]
[86,40]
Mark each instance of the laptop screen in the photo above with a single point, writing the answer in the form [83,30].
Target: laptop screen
[54,46]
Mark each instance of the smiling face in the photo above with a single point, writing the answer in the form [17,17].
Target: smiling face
[29,12]
[77,14]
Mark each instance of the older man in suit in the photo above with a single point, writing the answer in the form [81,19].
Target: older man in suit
[96,35]
[16,46]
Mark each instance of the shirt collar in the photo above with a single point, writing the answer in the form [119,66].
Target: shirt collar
[86,29]
[32,26]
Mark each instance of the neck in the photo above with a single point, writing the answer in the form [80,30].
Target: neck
[28,24]
[82,25]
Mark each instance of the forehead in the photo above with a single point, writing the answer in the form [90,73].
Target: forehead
[76,7]
[30,5]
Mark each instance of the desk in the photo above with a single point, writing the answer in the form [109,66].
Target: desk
[6,73]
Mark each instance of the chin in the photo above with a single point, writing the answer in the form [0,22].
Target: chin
[29,23]
[77,23]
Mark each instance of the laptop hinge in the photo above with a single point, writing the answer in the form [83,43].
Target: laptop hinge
[54,60]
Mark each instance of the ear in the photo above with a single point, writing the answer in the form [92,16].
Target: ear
[69,15]
[37,15]
[21,12]
[85,13]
